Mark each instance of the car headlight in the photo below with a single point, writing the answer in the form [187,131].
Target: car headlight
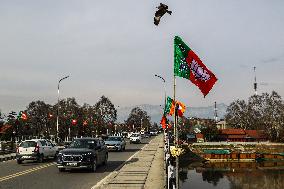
[87,154]
[59,157]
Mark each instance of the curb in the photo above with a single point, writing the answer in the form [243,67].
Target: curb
[113,174]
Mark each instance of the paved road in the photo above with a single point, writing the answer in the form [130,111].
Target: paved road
[46,175]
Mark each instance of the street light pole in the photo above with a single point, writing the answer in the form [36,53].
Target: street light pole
[167,152]
[168,142]
[164,87]
[57,117]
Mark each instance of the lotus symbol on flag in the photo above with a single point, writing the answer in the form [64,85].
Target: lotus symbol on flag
[198,71]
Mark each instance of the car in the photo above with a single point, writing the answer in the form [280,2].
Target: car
[147,134]
[35,149]
[153,133]
[135,138]
[83,153]
[115,143]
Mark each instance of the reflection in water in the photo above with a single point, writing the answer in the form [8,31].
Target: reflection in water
[212,176]
[234,175]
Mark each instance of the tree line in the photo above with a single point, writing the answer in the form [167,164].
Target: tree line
[74,120]
[260,112]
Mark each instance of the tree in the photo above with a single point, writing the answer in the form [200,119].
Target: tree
[105,114]
[88,128]
[68,110]
[210,133]
[262,112]
[1,119]
[138,119]
[272,118]
[238,115]
[38,120]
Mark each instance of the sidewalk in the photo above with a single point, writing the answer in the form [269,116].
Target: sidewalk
[144,170]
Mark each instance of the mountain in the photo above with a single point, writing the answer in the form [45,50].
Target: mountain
[156,111]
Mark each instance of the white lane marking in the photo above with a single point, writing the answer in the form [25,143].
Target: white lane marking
[25,172]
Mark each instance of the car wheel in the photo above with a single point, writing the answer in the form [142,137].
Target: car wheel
[61,169]
[40,158]
[19,161]
[124,148]
[94,165]
[105,160]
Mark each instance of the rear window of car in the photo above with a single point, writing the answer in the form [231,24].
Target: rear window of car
[113,139]
[28,144]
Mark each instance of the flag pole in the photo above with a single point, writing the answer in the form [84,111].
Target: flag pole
[174,110]
[176,134]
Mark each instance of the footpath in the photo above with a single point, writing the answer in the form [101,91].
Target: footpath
[143,170]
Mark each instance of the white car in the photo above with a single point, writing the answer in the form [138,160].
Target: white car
[35,149]
[135,138]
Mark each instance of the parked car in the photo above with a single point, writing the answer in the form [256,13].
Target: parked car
[83,153]
[35,149]
[115,143]
[135,138]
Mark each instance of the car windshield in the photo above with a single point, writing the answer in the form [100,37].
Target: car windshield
[28,144]
[82,144]
[113,139]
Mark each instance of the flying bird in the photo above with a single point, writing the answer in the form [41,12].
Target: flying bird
[162,9]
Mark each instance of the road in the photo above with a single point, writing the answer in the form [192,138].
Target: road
[46,175]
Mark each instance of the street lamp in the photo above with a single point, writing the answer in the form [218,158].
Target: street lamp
[164,86]
[57,117]
[168,141]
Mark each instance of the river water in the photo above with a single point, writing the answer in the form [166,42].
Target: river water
[223,175]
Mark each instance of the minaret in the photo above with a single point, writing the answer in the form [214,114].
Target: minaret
[255,83]
[215,113]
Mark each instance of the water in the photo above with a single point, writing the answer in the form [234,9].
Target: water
[266,175]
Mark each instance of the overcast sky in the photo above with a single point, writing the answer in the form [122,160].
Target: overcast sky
[112,48]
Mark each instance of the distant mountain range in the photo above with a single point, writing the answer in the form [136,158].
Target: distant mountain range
[155,112]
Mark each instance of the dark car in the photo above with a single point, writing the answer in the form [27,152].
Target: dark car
[83,153]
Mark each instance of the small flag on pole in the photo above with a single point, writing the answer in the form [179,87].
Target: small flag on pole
[164,122]
[181,108]
[170,107]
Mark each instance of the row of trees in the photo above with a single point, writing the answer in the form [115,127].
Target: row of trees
[74,120]
[261,112]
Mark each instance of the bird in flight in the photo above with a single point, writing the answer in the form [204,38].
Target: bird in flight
[162,9]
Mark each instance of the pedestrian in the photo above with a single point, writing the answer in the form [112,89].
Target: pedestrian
[171,174]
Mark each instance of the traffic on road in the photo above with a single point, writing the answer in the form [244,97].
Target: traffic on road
[82,164]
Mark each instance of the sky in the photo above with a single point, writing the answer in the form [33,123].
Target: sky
[112,48]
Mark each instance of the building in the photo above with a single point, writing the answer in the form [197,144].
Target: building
[241,135]
[221,124]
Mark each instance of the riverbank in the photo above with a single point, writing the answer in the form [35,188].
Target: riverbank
[238,151]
